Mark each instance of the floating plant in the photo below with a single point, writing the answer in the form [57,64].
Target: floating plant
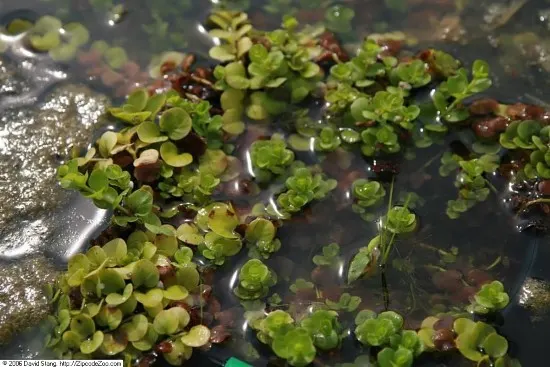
[184,206]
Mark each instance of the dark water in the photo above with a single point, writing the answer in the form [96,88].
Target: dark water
[484,234]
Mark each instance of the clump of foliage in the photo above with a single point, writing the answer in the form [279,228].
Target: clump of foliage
[302,187]
[367,194]
[297,342]
[478,341]
[473,186]
[398,220]
[270,157]
[385,330]
[260,235]
[490,298]
[61,41]
[124,305]
[329,256]
[451,93]
[255,278]
[347,302]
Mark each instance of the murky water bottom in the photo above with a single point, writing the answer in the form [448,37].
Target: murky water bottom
[44,115]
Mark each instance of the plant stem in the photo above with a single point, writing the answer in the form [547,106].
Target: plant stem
[493,188]
[533,202]
[495,263]
[385,290]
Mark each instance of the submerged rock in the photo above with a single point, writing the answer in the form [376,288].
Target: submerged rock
[34,140]
[38,129]
[535,296]
[23,301]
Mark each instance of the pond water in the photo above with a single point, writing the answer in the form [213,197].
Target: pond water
[50,108]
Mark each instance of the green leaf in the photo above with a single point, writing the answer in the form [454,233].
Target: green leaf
[176,122]
[140,202]
[91,345]
[169,153]
[145,274]
[138,99]
[151,299]
[495,345]
[149,132]
[198,336]
[136,328]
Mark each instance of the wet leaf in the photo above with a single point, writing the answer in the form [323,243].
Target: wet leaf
[169,153]
[176,122]
[91,345]
[152,298]
[198,336]
[136,328]
[112,346]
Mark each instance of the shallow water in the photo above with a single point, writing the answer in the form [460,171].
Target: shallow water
[44,115]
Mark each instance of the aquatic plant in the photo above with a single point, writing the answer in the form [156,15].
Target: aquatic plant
[302,188]
[329,256]
[260,235]
[490,298]
[458,87]
[323,328]
[255,278]
[96,301]
[271,155]
[339,18]
[377,330]
[473,186]
[175,159]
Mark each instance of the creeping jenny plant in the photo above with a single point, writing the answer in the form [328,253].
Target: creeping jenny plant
[113,302]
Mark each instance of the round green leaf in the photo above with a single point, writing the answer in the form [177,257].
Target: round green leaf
[168,322]
[178,354]
[129,306]
[223,220]
[169,153]
[115,299]
[111,281]
[136,328]
[91,345]
[116,57]
[149,132]
[109,317]
[96,256]
[150,299]
[188,276]
[77,34]
[145,274]
[198,336]
[495,345]
[176,122]
[112,345]
[116,250]
[72,339]
[83,325]
[79,262]
[166,245]
[148,341]
[176,293]
[189,234]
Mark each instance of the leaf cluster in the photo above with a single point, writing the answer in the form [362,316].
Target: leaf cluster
[490,298]
[472,185]
[255,278]
[260,237]
[126,308]
[450,94]
[302,188]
